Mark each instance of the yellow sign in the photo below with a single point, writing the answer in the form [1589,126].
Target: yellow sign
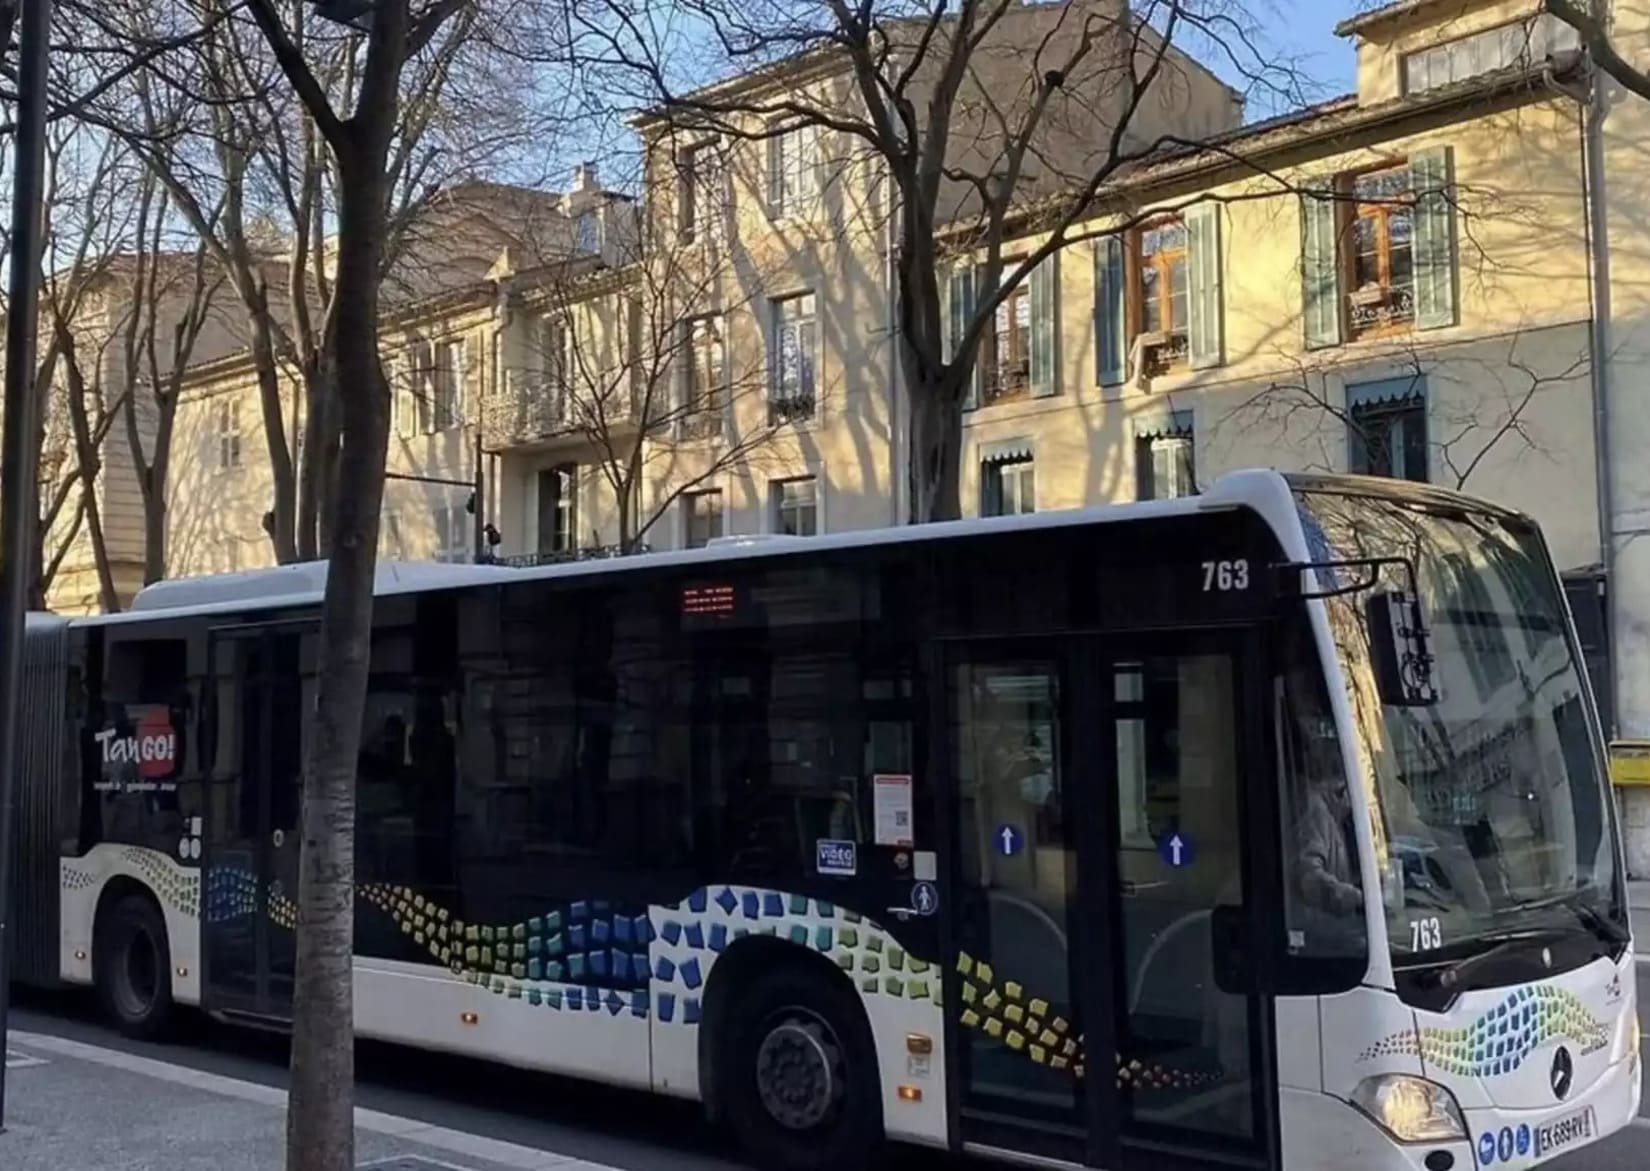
[1630,762]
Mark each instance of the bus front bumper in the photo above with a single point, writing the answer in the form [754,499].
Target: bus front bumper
[1314,1124]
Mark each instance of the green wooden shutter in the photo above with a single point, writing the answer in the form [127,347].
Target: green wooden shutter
[1320,267]
[1045,327]
[1110,349]
[1206,327]
[1434,238]
[961,305]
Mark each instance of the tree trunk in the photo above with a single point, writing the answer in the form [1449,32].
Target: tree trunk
[320,1114]
[280,458]
[936,448]
[309,467]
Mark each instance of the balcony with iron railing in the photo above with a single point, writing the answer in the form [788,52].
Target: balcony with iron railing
[535,410]
[567,556]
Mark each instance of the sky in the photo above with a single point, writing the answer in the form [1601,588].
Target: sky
[1303,31]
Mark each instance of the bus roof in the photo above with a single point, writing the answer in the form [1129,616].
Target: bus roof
[291,586]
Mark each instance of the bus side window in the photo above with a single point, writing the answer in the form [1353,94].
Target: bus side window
[1326,939]
[787,746]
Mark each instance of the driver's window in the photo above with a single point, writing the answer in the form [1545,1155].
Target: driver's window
[1323,883]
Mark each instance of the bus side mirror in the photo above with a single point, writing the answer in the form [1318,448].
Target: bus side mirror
[1401,648]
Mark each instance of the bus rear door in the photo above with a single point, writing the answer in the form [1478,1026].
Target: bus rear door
[260,676]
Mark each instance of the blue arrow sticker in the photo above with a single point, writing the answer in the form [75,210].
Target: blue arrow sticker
[1176,850]
[1009,840]
[925,898]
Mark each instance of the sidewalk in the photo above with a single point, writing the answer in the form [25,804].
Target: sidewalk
[1638,913]
[76,1107]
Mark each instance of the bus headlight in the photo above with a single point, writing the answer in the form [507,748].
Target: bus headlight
[1411,1109]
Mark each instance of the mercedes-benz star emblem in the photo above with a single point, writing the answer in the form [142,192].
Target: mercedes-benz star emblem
[1563,1073]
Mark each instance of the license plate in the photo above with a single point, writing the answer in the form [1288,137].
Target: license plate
[1565,1132]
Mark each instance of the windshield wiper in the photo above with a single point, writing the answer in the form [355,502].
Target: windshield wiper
[1591,917]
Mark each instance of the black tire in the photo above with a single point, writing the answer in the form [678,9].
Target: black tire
[132,967]
[790,1026]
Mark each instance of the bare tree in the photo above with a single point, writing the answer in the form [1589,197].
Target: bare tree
[254,178]
[1591,19]
[320,1113]
[173,292]
[1308,405]
[638,362]
[965,110]
[88,218]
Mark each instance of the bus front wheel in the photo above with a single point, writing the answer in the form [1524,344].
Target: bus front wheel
[134,967]
[802,1089]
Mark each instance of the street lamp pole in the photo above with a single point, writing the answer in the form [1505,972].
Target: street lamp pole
[19,457]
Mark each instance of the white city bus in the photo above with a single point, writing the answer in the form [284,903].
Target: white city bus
[1266,828]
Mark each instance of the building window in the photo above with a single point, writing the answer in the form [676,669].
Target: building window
[793,160]
[796,507]
[796,341]
[229,433]
[446,387]
[1008,483]
[701,196]
[1006,359]
[1165,463]
[1388,430]
[1379,252]
[1519,45]
[558,489]
[704,398]
[587,232]
[1162,294]
[702,516]
[455,531]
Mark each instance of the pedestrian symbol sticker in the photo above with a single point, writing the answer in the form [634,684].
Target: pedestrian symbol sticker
[1009,840]
[1176,850]
[925,899]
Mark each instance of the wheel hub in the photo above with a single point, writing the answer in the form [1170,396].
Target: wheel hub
[797,1074]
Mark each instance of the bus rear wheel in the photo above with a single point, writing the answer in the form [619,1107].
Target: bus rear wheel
[799,1069]
[133,967]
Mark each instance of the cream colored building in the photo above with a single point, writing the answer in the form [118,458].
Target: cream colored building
[1416,279]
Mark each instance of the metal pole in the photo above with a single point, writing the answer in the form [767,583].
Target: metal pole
[481,504]
[18,455]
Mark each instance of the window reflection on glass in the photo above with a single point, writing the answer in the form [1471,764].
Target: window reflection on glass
[1015,894]
[1492,810]
[1183,1044]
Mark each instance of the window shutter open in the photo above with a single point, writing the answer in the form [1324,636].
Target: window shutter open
[960,304]
[469,386]
[1320,268]
[1434,238]
[1110,349]
[1205,329]
[776,174]
[405,374]
[1045,327]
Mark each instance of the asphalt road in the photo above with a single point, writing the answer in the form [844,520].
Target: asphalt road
[634,1132]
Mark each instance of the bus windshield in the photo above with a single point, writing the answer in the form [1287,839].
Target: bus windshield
[1492,820]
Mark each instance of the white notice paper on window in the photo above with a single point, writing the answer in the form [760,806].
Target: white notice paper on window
[893,809]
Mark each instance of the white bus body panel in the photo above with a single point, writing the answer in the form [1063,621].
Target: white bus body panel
[176,888]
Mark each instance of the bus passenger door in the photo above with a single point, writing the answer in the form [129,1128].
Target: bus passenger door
[259,680]
[1103,1003]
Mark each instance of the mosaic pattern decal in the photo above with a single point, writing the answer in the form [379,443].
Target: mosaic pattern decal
[232,891]
[176,888]
[587,943]
[695,931]
[1500,1040]
[1027,1025]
